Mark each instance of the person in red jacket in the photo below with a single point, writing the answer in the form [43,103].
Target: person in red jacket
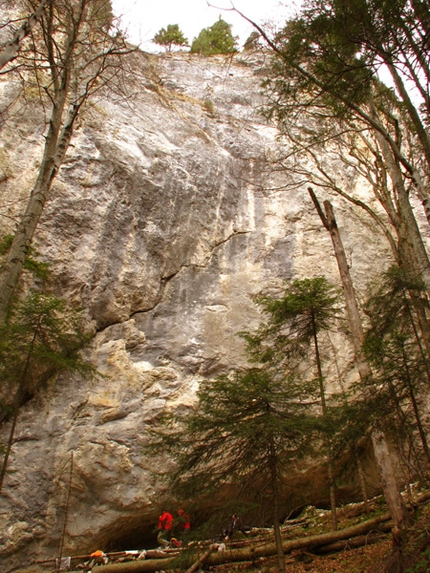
[165,528]
[183,524]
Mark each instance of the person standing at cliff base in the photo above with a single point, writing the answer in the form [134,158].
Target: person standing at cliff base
[165,527]
[183,524]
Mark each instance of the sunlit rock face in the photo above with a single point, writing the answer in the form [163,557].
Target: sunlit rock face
[167,217]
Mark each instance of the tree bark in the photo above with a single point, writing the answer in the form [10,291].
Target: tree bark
[276,518]
[51,162]
[383,459]
[330,470]
[413,253]
[362,481]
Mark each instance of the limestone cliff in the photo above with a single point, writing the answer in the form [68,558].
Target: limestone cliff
[166,219]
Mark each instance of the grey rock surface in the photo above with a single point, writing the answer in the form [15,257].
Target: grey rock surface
[166,219]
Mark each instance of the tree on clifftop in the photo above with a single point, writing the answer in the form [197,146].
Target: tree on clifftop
[172,36]
[252,42]
[217,39]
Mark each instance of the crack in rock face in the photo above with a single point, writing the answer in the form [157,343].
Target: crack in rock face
[166,219]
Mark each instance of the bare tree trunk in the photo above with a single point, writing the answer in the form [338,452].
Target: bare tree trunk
[416,410]
[332,485]
[362,483]
[8,449]
[55,148]
[412,250]
[276,518]
[389,484]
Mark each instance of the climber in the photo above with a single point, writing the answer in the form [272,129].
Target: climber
[183,523]
[165,527]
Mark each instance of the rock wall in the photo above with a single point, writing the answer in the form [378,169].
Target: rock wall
[167,217]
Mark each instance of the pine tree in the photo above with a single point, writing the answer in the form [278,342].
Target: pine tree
[295,322]
[41,337]
[244,430]
[398,356]
[217,39]
[172,36]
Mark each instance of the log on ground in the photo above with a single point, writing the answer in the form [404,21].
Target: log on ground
[252,552]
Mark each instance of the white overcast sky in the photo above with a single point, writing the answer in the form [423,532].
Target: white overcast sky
[144,18]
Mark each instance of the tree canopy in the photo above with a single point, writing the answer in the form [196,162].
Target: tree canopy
[252,41]
[172,36]
[328,59]
[217,39]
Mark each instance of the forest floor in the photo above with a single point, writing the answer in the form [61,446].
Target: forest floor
[379,557]
[376,553]
[360,560]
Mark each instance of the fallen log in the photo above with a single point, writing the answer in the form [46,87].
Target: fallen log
[199,561]
[353,543]
[254,552]
[145,566]
[118,555]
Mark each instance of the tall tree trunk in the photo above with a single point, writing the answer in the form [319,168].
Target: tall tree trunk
[55,149]
[362,481]
[8,449]
[389,484]
[413,253]
[415,408]
[332,484]
[276,517]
